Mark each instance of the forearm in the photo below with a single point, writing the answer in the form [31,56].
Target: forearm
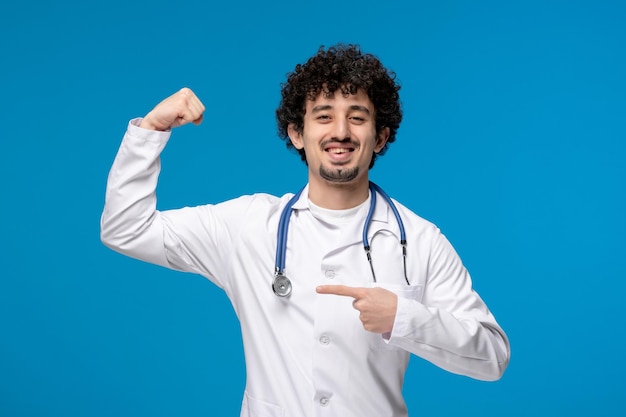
[471,344]
[130,223]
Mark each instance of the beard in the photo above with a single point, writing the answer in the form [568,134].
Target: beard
[339,174]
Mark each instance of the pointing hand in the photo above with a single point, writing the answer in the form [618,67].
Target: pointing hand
[377,305]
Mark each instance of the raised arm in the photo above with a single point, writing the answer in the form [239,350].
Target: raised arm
[130,223]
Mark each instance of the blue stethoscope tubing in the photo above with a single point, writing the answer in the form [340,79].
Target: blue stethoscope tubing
[282,285]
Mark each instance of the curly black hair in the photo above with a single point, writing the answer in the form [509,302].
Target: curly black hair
[345,68]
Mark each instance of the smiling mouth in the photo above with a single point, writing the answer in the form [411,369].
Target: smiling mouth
[338,147]
[337,151]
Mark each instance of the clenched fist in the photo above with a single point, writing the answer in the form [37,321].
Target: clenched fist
[178,109]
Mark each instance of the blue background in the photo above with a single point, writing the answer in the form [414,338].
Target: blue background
[513,144]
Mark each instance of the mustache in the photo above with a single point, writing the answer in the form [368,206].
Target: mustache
[325,143]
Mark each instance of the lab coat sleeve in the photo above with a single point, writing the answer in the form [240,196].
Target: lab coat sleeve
[130,223]
[192,239]
[451,326]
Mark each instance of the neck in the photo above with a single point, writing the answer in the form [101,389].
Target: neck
[338,196]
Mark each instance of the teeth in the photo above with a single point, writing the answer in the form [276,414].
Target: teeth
[339,150]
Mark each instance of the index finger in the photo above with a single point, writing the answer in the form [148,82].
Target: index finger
[343,290]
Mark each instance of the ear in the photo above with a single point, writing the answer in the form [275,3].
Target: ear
[381,139]
[295,136]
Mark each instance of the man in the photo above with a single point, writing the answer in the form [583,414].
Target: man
[335,337]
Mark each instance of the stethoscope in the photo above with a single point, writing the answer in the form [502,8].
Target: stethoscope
[282,285]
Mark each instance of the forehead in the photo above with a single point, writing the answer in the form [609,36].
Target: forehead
[339,101]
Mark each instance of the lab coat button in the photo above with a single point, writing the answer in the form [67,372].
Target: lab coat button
[330,274]
[324,339]
[324,401]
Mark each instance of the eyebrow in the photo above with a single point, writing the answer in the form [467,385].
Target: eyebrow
[325,107]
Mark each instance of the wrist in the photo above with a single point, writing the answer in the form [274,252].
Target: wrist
[147,124]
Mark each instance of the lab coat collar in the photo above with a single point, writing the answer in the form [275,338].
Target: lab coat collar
[380,217]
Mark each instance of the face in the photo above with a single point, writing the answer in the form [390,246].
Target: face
[339,138]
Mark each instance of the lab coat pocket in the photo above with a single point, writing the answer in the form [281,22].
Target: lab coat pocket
[411,292]
[253,407]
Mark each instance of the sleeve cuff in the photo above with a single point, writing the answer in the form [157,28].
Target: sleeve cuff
[410,316]
[147,135]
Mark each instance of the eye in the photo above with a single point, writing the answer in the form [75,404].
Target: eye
[323,117]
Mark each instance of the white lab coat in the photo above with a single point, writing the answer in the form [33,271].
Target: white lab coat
[308,355]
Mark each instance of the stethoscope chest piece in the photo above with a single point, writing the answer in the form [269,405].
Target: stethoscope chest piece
[281,285]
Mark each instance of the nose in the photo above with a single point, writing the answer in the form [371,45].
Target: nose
[341,129]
